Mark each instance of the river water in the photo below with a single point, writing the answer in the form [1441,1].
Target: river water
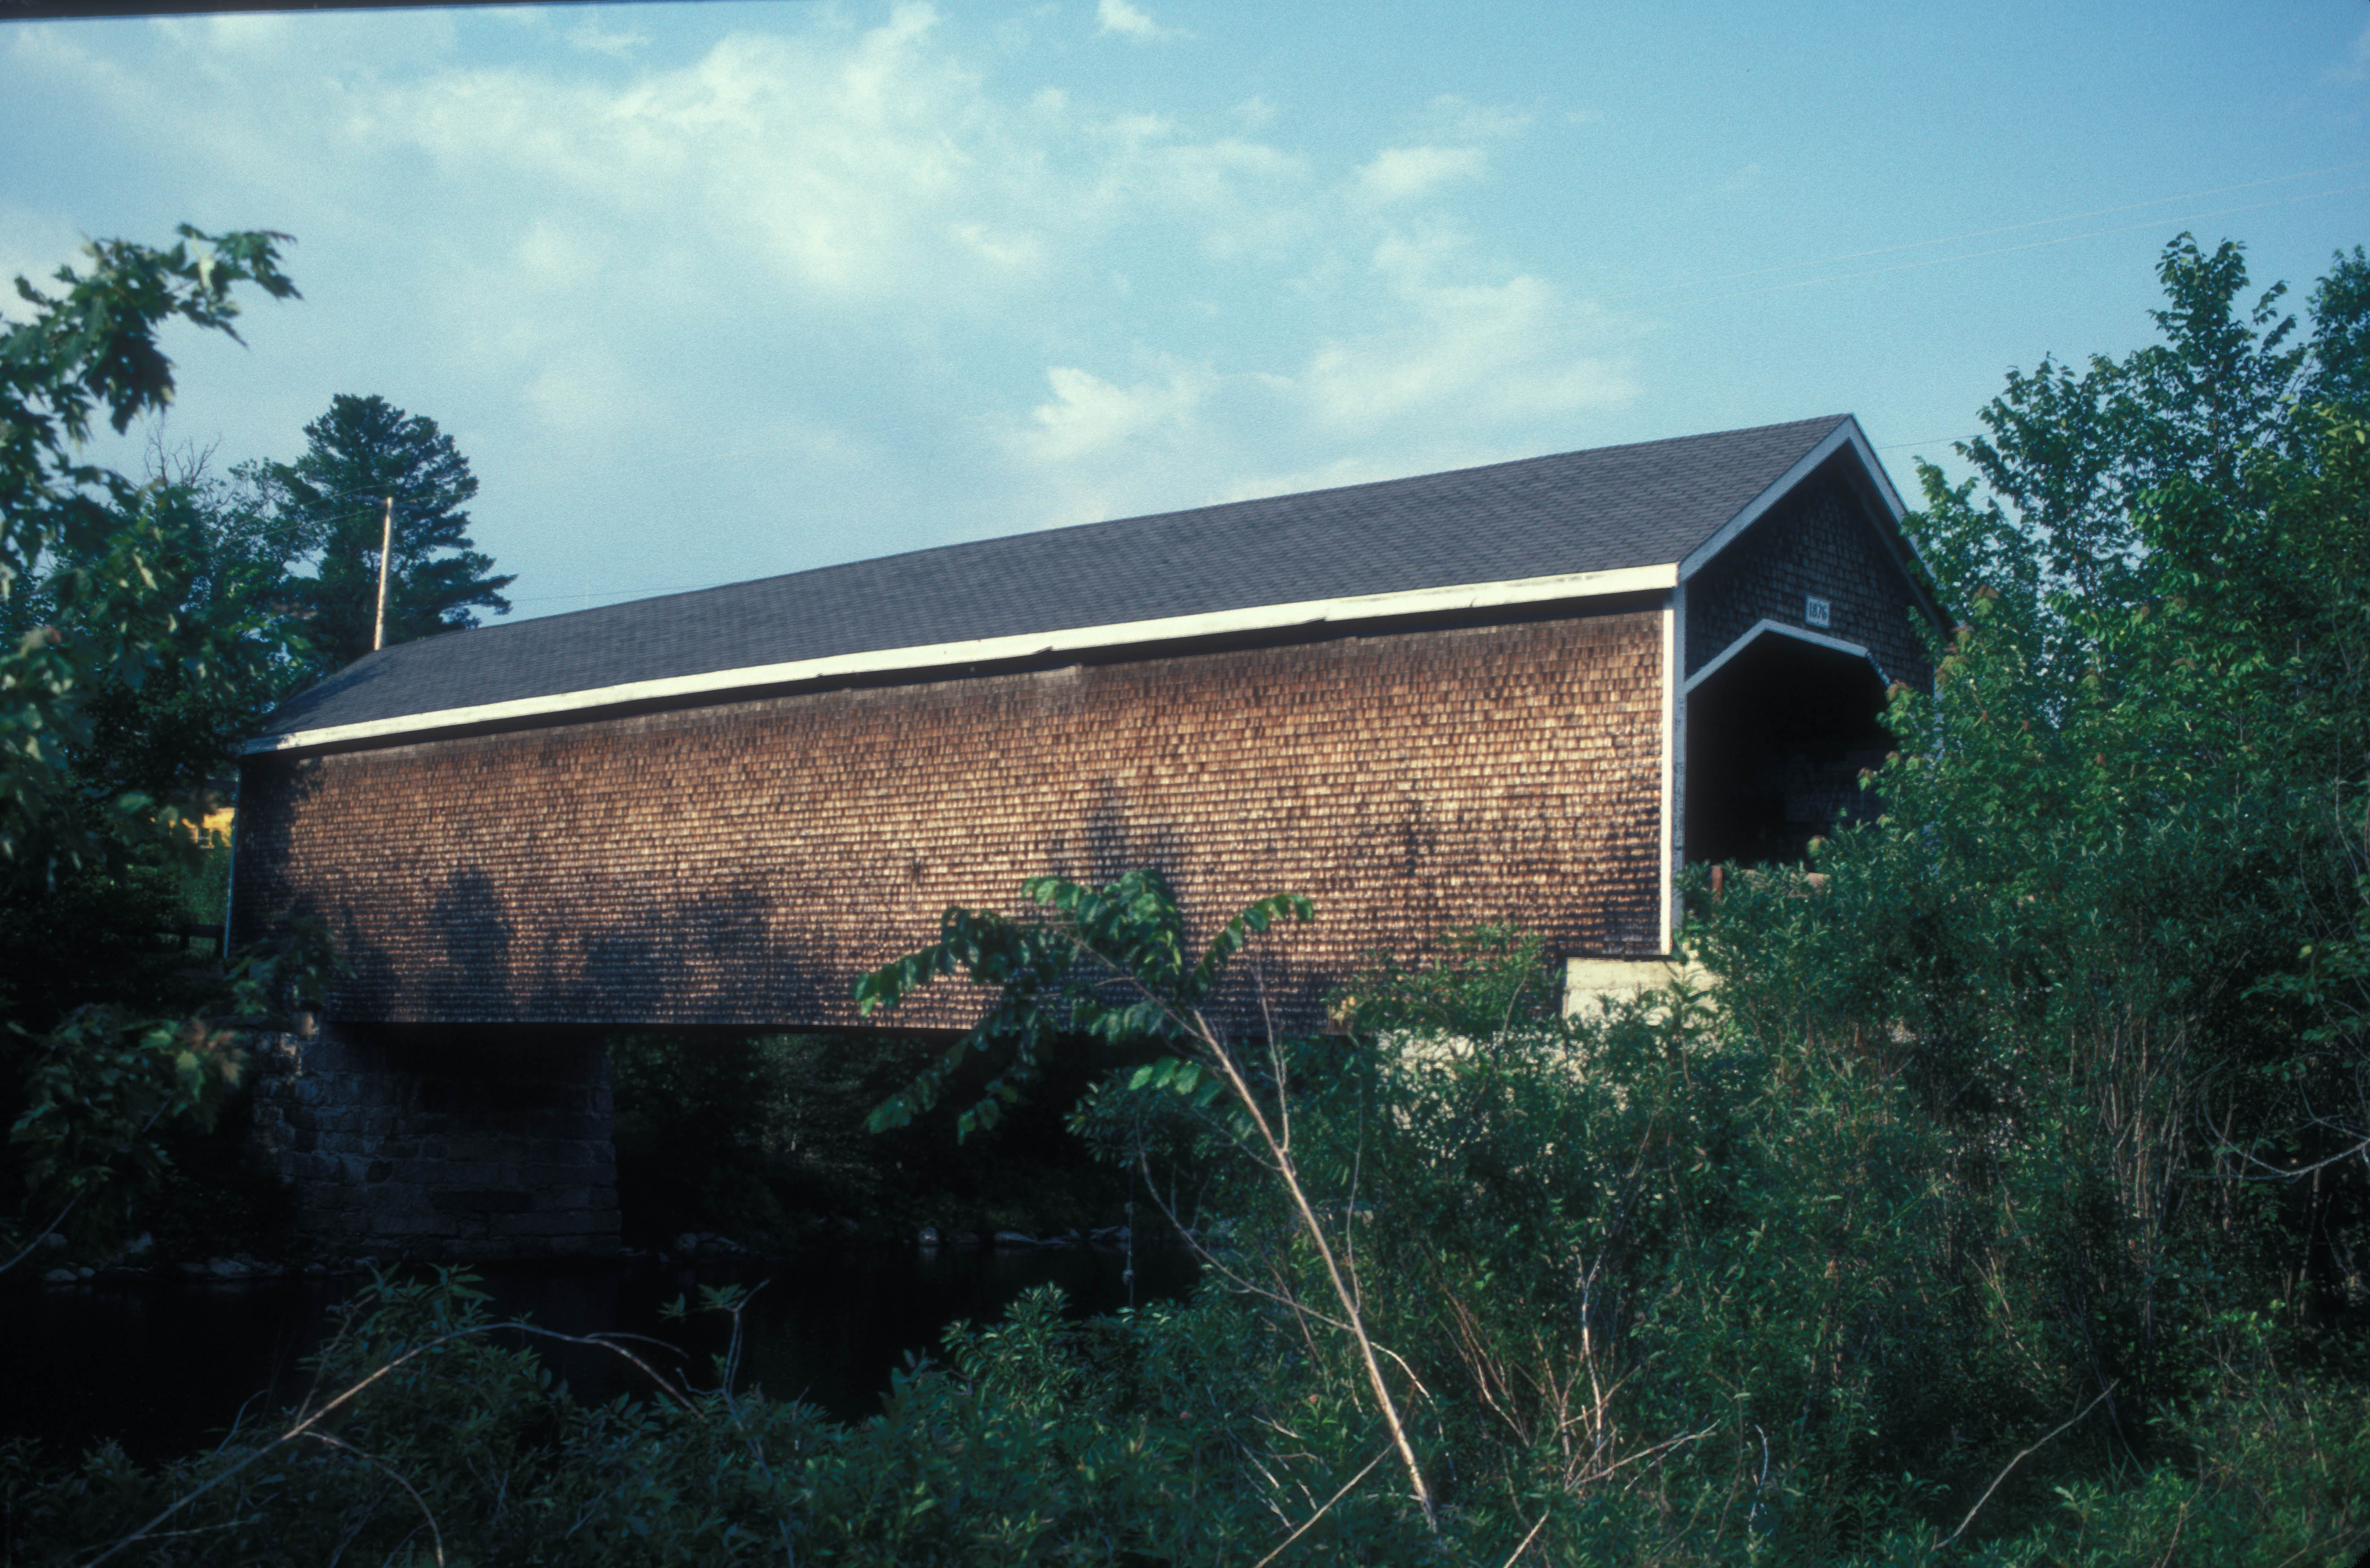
[162,1366]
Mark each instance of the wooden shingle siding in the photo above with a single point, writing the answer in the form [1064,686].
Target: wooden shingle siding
[741,864]
[1819,539]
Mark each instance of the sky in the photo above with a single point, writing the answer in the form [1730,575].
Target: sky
[713,290]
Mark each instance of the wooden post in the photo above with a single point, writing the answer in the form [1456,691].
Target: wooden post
[385,545]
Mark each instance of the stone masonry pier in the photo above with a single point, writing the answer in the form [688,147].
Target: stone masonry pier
[442,1142]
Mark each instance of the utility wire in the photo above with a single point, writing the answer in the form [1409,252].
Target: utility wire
[2031,244]
[2007,228]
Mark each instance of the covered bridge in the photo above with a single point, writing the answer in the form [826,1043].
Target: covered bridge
[1525,692]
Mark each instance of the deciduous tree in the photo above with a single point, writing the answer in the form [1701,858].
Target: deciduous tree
[99,582]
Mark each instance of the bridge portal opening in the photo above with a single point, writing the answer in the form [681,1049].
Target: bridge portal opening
[1777,739]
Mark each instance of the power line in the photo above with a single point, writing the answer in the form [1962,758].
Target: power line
[2009,228]
[642,592]
[2031,244]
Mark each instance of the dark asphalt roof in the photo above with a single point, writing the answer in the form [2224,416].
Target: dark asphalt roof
[1647,504]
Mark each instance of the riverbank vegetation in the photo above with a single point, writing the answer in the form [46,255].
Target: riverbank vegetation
[2002,1197]
[147,628]
[762,1138]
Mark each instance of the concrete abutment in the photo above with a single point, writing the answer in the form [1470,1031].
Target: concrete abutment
[450,1143]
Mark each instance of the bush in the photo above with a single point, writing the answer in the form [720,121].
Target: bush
[764,1135]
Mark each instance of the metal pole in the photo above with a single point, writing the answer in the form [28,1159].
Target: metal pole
[385,546]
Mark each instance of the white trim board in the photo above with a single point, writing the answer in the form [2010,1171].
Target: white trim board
[1893,541]
[1766,626]
[719,683]
[1675,742]
[1673,699]
[1845,435]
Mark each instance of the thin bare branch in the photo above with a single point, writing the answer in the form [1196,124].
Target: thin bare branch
[1311,1520]
[435,1532]
[305,1425]
[44,1230]
[1995,1486]
[1525,1544]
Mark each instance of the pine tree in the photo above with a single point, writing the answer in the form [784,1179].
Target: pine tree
[359,454]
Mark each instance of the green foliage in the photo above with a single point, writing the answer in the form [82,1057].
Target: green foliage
[91,928]
[2075,463]
[234,646]
[1114,966]
[99,1097]
[362,452]
[1672,1297]
[1044,1442]
[1480,983]
[1111,966]
[764,1138]
[2000,1202]
[110,558]
[142,635]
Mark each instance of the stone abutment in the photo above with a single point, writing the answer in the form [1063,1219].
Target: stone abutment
[449,1143]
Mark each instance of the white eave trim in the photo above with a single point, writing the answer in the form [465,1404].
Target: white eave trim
[1766,628]
[718,684]
[1896,541]
[1845,435]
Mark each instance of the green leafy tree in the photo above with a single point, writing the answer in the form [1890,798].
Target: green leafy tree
[2109,930]
[106,585]
[85,929]
[2037,1123]
[2074,458]
[2340,335]
[107,560]
[1113,965]
[2165,584]
[362,452]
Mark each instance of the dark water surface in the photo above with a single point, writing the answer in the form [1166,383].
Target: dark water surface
[162,1368]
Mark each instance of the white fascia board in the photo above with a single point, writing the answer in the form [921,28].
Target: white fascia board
[1848,434]
[1899,535]
[1765,628]
[1883,481]
[720,683]
[1836,440]
[1672,697]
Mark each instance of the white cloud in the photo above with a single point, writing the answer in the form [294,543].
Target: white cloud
[1404,174]
[1450,373]
[1453,119]
[772,298]
[2355,66]
[617,45]
[857,174]
[1088,416]
[1499,354]
[1445,148]
[1128,21]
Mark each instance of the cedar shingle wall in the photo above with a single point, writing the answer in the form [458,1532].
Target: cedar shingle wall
[741,864]
[1817,540]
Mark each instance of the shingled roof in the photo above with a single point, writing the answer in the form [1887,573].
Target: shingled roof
[1609,509]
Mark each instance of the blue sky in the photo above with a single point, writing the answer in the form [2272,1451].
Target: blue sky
[710,291]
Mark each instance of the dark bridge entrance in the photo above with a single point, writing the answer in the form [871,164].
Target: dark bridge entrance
[1778,736]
